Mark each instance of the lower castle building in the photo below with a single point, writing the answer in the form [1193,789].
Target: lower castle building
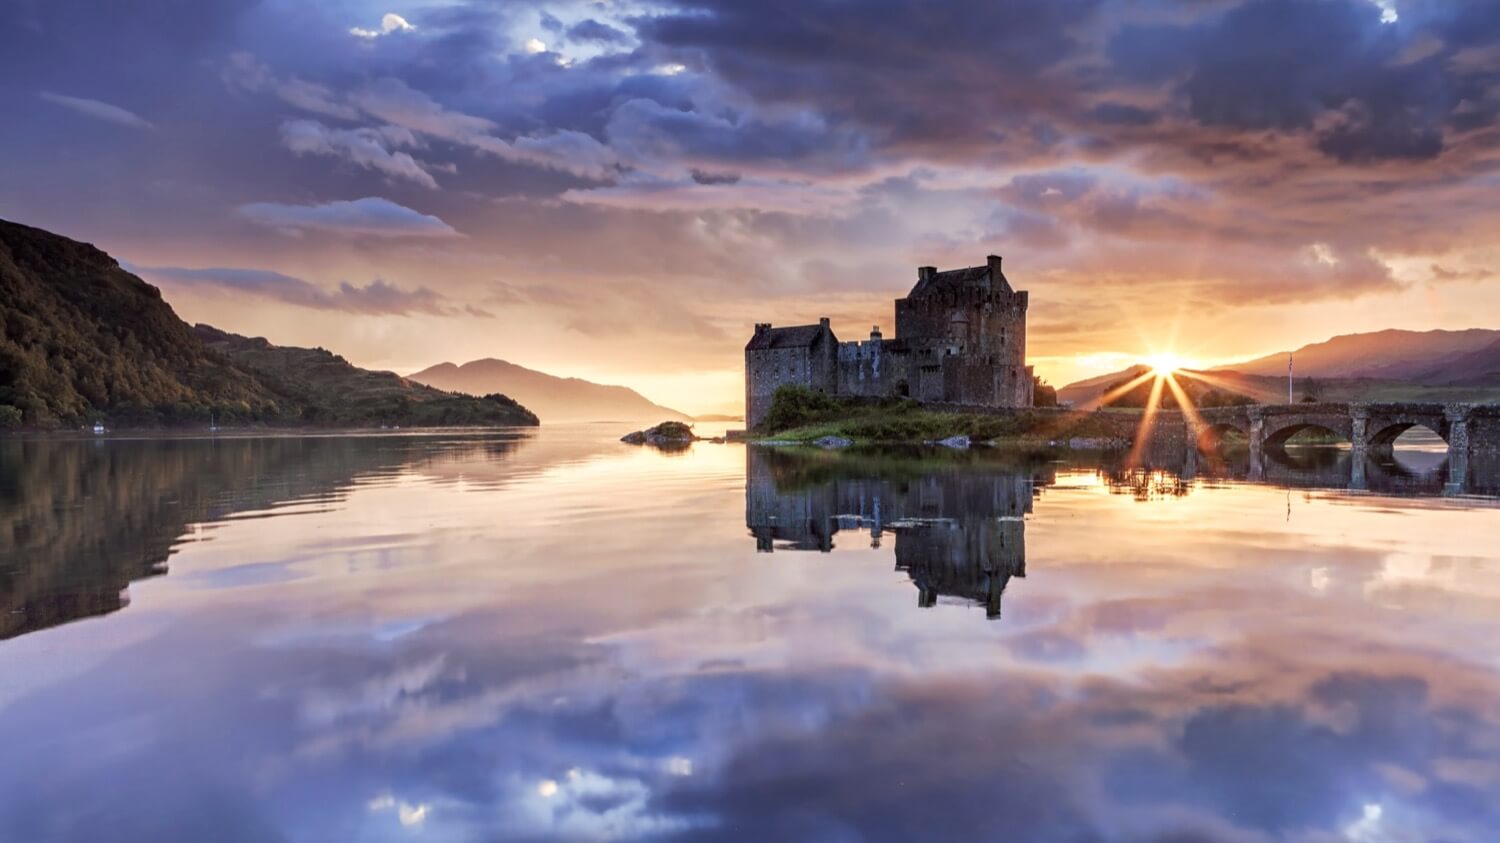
[960,339]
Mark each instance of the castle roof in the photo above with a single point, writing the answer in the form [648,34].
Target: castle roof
[796,336]
[987,277]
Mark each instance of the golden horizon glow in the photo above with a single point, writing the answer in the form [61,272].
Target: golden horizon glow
[1166,362]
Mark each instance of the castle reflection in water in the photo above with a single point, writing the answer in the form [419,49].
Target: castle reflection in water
[959,526]
[958,518]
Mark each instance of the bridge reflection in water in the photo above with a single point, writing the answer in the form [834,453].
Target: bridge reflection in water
[958,518]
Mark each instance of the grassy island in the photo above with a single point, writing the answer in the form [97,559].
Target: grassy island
[799,414]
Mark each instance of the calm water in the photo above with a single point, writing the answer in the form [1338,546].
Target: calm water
[553,636]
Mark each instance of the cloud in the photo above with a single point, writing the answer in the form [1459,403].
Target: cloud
[370,216]
[98,110]
[245,72]
[593,30]
[377,298]
[708,177]
[389,23]
[365,147]
[393,101]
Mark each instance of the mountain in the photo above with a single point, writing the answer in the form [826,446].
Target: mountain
[552,397]
[1086,393]
[1384,355]
[81,339]
[80,336]
[1476,368]
[330,390]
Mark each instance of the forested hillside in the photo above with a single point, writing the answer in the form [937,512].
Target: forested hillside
[83,340]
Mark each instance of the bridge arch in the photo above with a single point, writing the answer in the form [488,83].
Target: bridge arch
[1277,435]
[1385,437]
[1213,435]
[1386,422]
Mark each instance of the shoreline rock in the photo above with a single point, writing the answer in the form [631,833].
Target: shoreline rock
[959,442]
[667,435]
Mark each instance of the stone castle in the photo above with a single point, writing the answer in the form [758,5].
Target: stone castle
[960,339]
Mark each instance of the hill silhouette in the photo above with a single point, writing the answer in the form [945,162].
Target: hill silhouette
[81,339]
[1420,357]
[551,397]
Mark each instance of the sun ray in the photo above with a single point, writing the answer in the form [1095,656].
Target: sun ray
[1213,380]
[1190,413]
[1144,429]
[1106,398]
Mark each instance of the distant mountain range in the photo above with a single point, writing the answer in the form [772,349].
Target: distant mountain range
[83,340]
[1391,365]
[1422,357]
[553,398]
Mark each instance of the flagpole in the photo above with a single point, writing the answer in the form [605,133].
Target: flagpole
[1289,380]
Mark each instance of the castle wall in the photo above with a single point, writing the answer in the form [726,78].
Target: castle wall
[814,366]
[872,368]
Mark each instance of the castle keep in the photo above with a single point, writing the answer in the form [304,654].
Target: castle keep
[960,339]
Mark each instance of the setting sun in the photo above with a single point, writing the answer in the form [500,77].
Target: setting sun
[1166,362]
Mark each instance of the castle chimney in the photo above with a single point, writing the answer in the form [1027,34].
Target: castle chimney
[823,321]
[925,272]
[875,333]
[993,262]
[762,327]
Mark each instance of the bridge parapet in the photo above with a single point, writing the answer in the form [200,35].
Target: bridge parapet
[1365,425]
[1482,427]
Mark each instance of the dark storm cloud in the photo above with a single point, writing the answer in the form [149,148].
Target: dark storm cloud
[592,30]
[1011,78]
[1120,114]
[707,177]
[950,74]
[378,298]
[1367,89]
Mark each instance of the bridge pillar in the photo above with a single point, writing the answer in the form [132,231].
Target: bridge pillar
[1457,416]
[1257,444]
[1359,435]
[1357,476]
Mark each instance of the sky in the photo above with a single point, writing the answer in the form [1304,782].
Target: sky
[619,190]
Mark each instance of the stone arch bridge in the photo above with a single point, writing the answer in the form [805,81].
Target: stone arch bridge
[1366,426]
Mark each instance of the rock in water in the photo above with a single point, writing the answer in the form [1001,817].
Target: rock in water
[833,442]
[669,434]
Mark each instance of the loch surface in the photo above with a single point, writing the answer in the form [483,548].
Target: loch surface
[550,635]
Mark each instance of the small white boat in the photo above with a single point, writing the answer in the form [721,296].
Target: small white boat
[98,428]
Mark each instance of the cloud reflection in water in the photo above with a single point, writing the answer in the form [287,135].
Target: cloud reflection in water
[450,661]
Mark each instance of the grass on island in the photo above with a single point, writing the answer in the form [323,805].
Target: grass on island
[799,414]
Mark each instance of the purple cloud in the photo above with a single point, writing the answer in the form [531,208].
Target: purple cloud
[377,298]
[98,110]
[371,216]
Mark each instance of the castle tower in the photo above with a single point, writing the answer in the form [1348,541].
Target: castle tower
[966,332]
